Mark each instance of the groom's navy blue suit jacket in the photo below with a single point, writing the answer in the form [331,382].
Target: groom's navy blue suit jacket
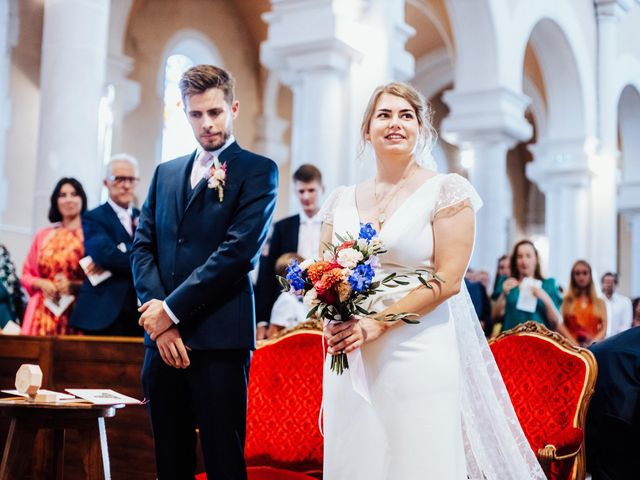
[196,252]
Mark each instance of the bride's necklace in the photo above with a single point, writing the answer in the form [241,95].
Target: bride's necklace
[385,200]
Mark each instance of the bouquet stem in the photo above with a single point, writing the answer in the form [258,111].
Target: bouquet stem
[339,363]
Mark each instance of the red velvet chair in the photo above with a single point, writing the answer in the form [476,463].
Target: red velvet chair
[550,383]
[285,394]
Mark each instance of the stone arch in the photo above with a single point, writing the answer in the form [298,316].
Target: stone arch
[554,34]
[194,45]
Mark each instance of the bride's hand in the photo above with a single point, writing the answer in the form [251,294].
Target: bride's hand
[347,336]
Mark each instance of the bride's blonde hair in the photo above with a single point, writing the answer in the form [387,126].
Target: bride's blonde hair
[428,134]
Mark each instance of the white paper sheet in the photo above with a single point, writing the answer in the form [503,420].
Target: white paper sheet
[60,395]
[11,328]
[58,308]
[94,279]
[102,396]
[527,302]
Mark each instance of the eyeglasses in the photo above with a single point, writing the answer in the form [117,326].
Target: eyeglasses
[119,180]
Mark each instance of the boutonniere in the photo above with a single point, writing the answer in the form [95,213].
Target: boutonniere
[218,177]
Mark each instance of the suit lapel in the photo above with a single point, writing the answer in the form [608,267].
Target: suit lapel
[181,191]
[113,217]
[227,155]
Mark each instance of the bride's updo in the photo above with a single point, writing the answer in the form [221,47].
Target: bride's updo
[417,101]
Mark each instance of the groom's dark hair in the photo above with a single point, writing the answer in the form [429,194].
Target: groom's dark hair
[201,78]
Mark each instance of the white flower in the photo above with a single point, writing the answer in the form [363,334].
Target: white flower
[349,257]
[220,174]
[213,182]
[306,264]
[310,299]
[346,273]
[375,244]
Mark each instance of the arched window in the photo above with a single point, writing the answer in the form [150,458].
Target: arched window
[185,49]
[177,137]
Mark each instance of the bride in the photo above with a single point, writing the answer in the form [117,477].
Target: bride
[434,406]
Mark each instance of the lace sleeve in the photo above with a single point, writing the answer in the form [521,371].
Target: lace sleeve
[456,193]
[329,206]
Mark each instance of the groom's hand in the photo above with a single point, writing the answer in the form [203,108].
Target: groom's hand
[172,349]
[154,319]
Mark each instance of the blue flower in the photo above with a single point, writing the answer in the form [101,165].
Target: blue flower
[367,231]
[361,278]
[294,275]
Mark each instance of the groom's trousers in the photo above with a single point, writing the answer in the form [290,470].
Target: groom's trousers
[210,394]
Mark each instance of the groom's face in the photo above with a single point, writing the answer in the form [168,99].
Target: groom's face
[211,117]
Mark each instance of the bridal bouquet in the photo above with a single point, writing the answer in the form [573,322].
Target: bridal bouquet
[336,287]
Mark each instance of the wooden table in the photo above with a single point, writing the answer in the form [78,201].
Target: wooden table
[27,418]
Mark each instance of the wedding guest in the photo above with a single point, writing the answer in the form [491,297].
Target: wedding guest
[613,419]
[11,302]
[636,313]
[288,310]
[110,307]
[52,270]
[299,233]
[584,314]
[525,263]
[619,306]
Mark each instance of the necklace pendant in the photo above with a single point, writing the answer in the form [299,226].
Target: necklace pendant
[381,218]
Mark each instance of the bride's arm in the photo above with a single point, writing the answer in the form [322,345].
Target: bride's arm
[453,231]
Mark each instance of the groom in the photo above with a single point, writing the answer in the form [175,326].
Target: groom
[201,229]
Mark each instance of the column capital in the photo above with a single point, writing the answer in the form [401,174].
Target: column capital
[611,10]
[269,132]
[494,115]
[118,69]
[309,35]
[560,163]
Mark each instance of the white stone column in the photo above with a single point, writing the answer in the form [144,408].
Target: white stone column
[332,53]
[485,125]
[8,38]
[72,75]
[561,171]
[126,94]
[604,227]
[629,203]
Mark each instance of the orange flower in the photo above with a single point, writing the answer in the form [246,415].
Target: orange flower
[315,271]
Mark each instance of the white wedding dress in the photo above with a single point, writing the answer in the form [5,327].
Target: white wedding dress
[426,413]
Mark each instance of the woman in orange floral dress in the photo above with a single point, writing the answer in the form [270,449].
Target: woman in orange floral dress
[52,269]
[584,314]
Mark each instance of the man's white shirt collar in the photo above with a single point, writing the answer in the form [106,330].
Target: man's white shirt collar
[215,153]
[120,210]
[310,220]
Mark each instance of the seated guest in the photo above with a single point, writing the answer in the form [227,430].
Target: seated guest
[110,307]
[481,304]
[613,421]
[298,233]
[619,306]
[51,272]
[584,314]
[525,263]
[636,313]
[11,304]
[288,310]
[503,271]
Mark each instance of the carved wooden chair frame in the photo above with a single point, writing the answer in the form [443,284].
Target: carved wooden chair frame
[547,455]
